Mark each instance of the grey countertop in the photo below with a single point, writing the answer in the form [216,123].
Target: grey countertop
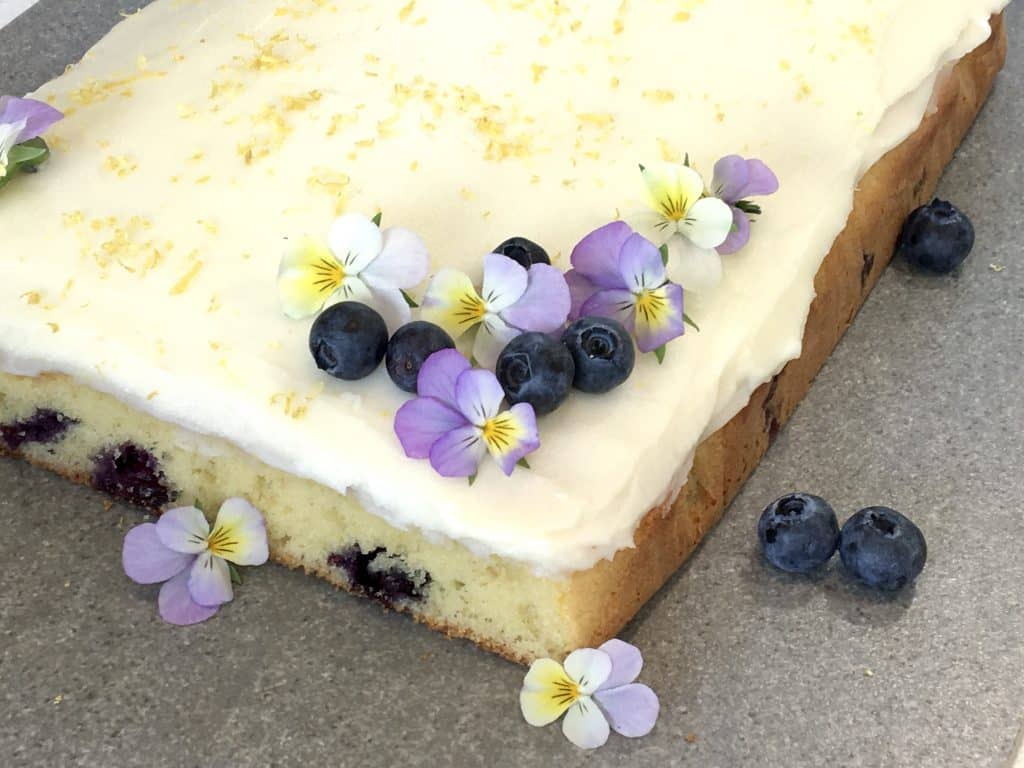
[920,408]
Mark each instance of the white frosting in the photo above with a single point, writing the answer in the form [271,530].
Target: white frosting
[524,117]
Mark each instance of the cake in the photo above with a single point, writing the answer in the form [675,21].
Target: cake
[144,350]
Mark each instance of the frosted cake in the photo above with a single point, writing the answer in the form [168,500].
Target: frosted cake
[144,349]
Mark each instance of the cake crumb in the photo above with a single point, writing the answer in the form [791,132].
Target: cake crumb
[869,673]
[58,699]
[691,738]
[997,267]
[67,584]
[107,505]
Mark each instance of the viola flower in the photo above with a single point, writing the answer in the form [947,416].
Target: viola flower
[618,273]
[735,180]
[192,561]
[513,300]
[457,419]
[690,224]
[23,120]
[358,263]
[595,690]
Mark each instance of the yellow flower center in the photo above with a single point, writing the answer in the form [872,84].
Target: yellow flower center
[565,692]
[649,305]
[499,432]
[673,208]
[329,275]
[222,542]
[471,310]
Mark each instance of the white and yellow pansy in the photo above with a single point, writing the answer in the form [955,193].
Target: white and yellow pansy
[359,262]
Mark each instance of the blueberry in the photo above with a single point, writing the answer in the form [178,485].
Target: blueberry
[411,345]
[524,252]
[603,353]
[798,532]
[937,237]
[348,340]
[536,369]
[882,548]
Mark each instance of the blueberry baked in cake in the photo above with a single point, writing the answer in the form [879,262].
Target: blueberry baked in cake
[489,308]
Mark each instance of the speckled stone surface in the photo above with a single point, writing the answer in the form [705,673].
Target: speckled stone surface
[919,408]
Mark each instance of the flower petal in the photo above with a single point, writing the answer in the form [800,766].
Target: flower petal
[239,533]
[585,725]
[632,710]
[627,662]
[38,116]
[546,303]
[707,223]
[307,277]
[672,190]
[512,435]
[392,306]
[544,697]
[478,396]
[640,264]
[176,604]
[209,580]
[696,269]
[580,289]
[439,373]
[730,179]
[422,422]
[452,302]
[145,558]
[403,261]
[183,529]
[355,241]
[505,282]
[739,236]
[458,453]
[492,337]
[589,667]
[659,317]
[617,304]
[763,180]
[596,257]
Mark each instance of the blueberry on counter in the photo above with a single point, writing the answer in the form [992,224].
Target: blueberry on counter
[524,252]
[409,348]
[536,369]
[348,340]
[799,532]
[937,237]
[603,352]
[882,548]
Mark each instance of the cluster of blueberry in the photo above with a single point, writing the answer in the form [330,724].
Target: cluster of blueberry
[594,354]
[878,546]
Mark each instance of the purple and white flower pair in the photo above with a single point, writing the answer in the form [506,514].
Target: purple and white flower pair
[22,120]
[457,419]
[737,179]
[595,689]
[620,274]
[192,560]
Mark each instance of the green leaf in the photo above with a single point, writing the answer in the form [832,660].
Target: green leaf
[409,300]
[523,463]
[689,321]
[660,353]
[378,218]
[472,479]
[236,575]
[642,169]
[686,160]
[24,154]
[664,254]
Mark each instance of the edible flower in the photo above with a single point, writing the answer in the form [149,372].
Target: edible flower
[21,121]
[595,690]
[181,551]
[457,419]
[513,300]
[686,221]
[618,273]
[359,262]
[737,179]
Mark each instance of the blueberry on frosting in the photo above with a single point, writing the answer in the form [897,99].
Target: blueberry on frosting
[536,369]
[602,352]
[348,340]
[524,252]
[411,345]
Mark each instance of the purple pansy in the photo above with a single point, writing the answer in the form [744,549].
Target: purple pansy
[620,274]
[457,419]
[736,179]
[181,551]
[595,689]
[22,120]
